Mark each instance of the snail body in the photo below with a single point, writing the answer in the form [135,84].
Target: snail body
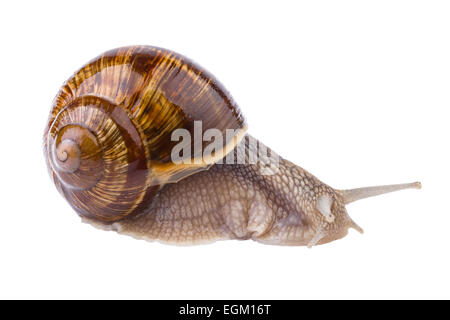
[109,149]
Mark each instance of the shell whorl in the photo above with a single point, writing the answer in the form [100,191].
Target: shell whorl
[98,158]
[108,139]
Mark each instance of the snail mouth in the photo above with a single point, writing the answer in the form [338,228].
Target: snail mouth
[77,157]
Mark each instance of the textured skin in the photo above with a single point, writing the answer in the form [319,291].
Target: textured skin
[236,201]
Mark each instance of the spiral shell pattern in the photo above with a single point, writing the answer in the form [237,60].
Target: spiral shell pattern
[108,138]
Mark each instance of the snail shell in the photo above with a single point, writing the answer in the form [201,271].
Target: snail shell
[108,138]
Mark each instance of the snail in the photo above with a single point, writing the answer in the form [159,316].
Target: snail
[110,141]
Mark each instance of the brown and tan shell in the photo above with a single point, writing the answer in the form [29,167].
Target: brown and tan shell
[108,138]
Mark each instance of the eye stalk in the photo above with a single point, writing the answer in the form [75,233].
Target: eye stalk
[324,203]
[362,193]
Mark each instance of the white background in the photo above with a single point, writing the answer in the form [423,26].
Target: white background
[356,92]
